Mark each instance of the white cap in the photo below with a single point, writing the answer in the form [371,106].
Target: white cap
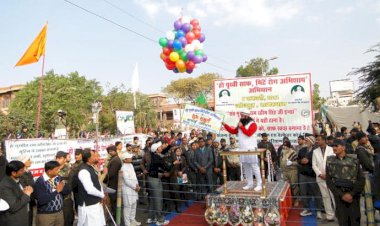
[3,205]
[23,158]
[126,155]
[155,146]
[244,112]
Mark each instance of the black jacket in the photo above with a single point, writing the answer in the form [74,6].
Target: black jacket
[18,201]
[306,169]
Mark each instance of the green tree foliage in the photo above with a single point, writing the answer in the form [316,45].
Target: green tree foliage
[117,99]
[369,90]
[256,67]
[72,93]
[317,100]
[188,89]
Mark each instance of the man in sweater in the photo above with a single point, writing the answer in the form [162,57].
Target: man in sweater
[245,130]
[49,191]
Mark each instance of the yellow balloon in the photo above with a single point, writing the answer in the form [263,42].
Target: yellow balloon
[174,56]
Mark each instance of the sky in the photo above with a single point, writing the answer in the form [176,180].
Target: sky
[327,38]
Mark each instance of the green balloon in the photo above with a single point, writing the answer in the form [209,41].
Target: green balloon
[199,52]
[163,42]
[183,56]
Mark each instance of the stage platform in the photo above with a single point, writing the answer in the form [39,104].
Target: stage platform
[278,197]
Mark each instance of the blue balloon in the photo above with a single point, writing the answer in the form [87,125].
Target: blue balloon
[177,45]
[175,70]
[180,34]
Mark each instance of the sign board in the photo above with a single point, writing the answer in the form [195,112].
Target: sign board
[44,150]
[125,122]
[280,105]
[202,118]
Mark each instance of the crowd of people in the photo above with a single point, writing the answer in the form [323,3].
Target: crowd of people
[172,168]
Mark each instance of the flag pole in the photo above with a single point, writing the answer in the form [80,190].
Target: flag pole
[40,97]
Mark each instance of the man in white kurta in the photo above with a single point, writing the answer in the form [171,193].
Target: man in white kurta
[130,189]
[245,130]
[319,166]
[90,215]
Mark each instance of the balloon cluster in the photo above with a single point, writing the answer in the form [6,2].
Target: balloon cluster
[182,47]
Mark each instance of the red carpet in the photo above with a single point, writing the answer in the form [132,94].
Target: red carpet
[194,215]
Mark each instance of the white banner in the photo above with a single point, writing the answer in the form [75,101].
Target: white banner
[202,118]
[177,114]
[44,150]
[280,105]
[125,122]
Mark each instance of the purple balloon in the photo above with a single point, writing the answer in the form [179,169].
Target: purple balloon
[202,38]
[204,58]
[189,71]
[186,27]
[198,59]
[170,44]
[190,55]
[183,41]
[177,25]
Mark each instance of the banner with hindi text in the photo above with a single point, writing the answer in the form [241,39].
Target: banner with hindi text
[280,105]
[43,150]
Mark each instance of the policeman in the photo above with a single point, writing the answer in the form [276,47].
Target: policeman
[346,181]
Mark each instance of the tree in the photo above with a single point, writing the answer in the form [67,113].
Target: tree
[369,89]
[188,89]
[118,99]
[317,100]
[256,67]
[72,93]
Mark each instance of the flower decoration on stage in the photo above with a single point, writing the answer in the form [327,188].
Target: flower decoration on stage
[182,48]
[247,214]
[211,214]
[234,214]
[222,215]
[258,217]
[272,218]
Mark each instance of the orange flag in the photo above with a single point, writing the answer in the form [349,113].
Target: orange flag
[35,50]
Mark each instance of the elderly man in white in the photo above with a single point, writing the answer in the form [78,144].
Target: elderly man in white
[319,166]
[245,130]
[129,190]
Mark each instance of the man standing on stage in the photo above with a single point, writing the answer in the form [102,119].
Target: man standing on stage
[245,130]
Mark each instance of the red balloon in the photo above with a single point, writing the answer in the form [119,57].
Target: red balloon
[197,27]
[190,65]
[197,33]
[194,22]
[190,37]
[170,66]
[166,51]
[168,61]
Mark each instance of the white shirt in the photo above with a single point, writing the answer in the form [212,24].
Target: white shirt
[85,177]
